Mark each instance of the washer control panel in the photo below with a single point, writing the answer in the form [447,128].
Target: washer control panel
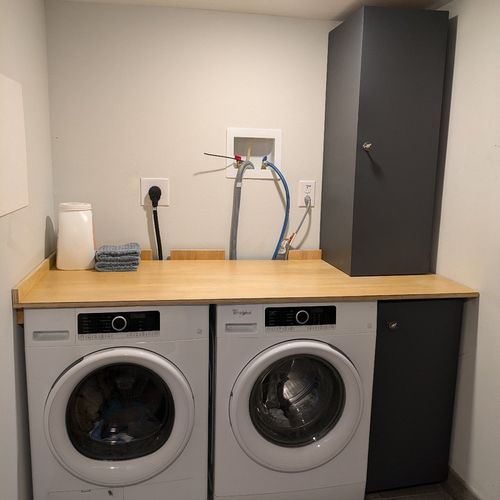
[300,316]
[116,322]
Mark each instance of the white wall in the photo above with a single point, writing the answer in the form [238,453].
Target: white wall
[144,91]
[469,247]
[22,233]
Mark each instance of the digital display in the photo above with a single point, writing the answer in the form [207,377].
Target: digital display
[300,316]
[109,322]
[137,315]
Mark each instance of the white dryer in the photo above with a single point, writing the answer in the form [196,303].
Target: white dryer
[293,397]
[118,402]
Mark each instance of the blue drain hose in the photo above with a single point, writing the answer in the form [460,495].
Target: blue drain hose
[287,203]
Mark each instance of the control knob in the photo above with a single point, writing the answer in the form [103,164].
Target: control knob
[302,317]
[118,323]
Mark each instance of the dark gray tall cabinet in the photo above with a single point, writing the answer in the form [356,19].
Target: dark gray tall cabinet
[383,111]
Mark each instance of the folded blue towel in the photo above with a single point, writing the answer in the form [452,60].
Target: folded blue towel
[123,259]
[115,267]
[128,250]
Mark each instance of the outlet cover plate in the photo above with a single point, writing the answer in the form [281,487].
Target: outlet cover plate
[306,188]
[162,183]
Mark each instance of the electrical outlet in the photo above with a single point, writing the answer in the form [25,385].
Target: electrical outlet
[306,188]
[163,184]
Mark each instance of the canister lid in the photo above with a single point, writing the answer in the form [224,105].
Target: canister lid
[71,206]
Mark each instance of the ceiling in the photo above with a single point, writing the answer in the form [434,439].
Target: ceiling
[307,9]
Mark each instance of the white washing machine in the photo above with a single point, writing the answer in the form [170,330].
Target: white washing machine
[118,402]
[293,397]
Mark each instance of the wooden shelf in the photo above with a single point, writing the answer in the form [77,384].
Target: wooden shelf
[222,282]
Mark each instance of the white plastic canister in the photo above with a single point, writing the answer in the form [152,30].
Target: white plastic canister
[75,242]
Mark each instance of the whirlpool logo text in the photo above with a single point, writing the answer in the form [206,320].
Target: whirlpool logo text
[241,312]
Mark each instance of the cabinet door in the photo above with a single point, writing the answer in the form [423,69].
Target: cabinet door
[402,75]
[413,392]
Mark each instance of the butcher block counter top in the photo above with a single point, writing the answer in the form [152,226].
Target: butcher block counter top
[222,282]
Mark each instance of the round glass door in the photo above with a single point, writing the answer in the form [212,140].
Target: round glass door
[119,416]
[296,405]
[297,400]
[120,412]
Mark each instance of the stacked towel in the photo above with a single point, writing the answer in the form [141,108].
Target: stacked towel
[118,257]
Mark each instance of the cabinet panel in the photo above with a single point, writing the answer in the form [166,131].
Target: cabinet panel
[341,135]
[377,208]
[413,392]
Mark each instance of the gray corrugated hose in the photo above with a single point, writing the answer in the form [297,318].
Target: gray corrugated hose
[236,208]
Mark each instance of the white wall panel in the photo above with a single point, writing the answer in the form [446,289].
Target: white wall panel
[25,235]
[145,91]
[13,168]
[469,245]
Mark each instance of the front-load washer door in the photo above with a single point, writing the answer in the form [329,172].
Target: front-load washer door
[296,405]
[119,416]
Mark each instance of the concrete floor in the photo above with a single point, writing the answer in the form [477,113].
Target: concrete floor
[432,492]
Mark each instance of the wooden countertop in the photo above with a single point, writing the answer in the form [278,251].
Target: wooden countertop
[222,282]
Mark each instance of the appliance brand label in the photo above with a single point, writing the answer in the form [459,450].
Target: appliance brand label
[242,312]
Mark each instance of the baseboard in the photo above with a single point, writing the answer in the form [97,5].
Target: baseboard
[456,487]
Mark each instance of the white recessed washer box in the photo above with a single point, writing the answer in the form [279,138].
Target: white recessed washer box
[254,144]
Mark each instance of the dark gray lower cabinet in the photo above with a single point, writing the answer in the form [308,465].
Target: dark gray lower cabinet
[413,393]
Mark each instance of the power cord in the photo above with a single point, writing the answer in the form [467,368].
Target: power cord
[307,201]
[286,243]
[155,195]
